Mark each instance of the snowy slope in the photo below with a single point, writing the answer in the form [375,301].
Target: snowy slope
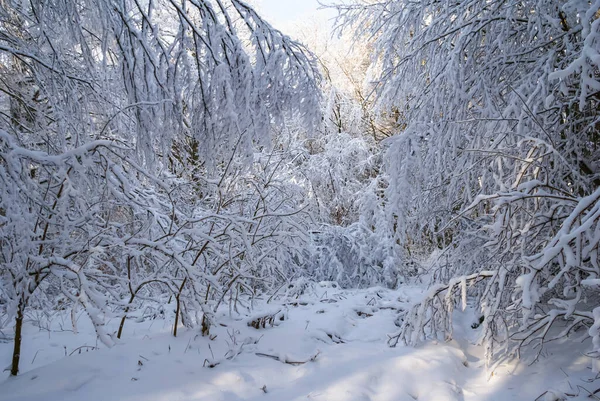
[330,346]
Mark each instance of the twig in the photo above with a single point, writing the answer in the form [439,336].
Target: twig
[79,348]
[285,360]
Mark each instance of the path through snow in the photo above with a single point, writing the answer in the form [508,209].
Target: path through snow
[338,339]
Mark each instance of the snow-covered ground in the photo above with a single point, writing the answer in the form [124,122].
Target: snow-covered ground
[326,345]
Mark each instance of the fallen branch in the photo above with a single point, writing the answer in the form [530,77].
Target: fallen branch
[285,359]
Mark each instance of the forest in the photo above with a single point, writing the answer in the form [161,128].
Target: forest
[412,198]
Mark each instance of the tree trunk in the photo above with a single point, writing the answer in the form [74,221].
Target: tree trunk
[14,370]
[178,308]
[125,316]
[176,317]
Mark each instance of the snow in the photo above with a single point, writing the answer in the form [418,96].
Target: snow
[330,346]
[172,152]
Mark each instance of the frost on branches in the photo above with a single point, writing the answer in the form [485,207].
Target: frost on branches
[498,162]
[136,161]
[161,155]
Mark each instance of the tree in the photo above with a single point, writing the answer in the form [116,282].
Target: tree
[127,154]
[498,162]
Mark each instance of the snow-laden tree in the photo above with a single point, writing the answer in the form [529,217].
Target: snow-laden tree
[339,165]
[69,224]
[136,163]
[347,80]
[497,163]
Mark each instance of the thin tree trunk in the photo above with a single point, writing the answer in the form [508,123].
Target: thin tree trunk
[125,316]
[178,308]
[14,370]
[130,299]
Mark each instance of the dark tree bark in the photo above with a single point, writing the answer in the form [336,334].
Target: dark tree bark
[14,369]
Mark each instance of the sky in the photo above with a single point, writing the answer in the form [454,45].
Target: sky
[282,13]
